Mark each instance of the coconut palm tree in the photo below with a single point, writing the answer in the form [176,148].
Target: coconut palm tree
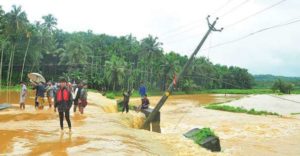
[76,53]
[151,50]
[115,71]
[50,23]
[15,26]
[4,43]
[28,43]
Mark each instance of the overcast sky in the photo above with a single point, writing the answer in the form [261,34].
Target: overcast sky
[180,25]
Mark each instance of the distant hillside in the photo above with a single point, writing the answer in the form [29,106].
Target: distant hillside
[273,78]
[266,81]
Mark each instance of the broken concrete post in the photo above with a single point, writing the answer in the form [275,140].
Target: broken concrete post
[155,123]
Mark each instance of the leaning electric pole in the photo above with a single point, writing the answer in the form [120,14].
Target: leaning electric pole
[211,27]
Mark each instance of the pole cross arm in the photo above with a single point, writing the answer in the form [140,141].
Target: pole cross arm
[211,26]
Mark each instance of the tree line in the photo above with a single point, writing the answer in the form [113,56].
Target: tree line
[104,61]
[268,81]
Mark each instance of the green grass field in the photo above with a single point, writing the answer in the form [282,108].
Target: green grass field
[234,91]
[211,91]
[239,110]
[295,113]
[10,88]
[159,93]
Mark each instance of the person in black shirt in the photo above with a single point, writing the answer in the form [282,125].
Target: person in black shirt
[126,96]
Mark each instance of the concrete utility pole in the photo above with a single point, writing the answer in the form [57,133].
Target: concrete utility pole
[211,27]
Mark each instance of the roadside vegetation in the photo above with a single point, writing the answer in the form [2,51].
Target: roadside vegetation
[295,113]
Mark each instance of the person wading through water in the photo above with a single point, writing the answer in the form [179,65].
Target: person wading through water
[126,96]
[23,94]
[41,94]
[82,102]
[50,93]
[77,95]
[63,102]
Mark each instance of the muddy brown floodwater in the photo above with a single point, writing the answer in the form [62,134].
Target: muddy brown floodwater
[104,131]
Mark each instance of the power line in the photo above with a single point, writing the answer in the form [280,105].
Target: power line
[255,32]
[239,21]
[222,7]
[234,8]
[202,75]
[254,14]
[180,32]
[190,76]
[209,45]
[183,39]
[182,27]
[194,22]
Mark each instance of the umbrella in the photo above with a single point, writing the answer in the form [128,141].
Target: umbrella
[36,78]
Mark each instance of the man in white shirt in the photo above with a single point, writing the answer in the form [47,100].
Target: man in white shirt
[23,94]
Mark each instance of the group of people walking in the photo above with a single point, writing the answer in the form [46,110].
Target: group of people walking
[62,94]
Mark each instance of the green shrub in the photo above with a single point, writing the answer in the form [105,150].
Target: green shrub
[110,95]
[283,87]
[200,135]
[120,106]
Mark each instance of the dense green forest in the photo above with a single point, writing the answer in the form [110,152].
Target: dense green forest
[102,60]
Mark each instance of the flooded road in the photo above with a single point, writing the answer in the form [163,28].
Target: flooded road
[103,131]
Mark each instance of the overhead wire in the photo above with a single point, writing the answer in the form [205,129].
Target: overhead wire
[235,23]
[194,27]
[221,7]
[256,32]
[234,8]
[181,32]
[254,14]
[182,27]
[226,27]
